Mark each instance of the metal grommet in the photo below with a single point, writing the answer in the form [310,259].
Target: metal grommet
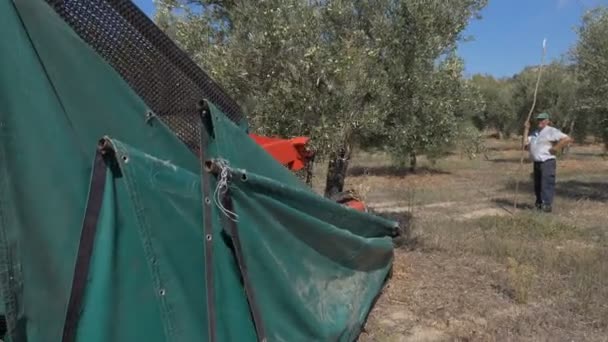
[207,200]
[208,237]
[125,158]
[149,115]
[244,177]
[162,292]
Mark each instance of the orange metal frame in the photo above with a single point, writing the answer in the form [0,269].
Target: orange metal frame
[292,153]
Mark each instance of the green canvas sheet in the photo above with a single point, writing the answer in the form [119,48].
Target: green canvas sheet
[315,266]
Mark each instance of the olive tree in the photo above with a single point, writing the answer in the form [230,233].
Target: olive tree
[342,72]
[557,95]
[498,110]
[591,58]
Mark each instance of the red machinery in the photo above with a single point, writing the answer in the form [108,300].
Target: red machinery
[295,155]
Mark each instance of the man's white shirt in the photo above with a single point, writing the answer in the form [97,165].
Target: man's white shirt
[541,141]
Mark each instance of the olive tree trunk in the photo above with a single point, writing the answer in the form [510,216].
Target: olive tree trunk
[413,161]
[336,170]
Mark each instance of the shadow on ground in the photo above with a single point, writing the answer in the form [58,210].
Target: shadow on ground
[595,191]
[406,240]
[394,171]
[587,154]
[509,203]
[503,148]
[584,156]
[572,189]
[505,160]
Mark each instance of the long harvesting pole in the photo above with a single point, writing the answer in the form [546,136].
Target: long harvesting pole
[527,123]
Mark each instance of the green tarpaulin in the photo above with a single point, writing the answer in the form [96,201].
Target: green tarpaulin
[305,268]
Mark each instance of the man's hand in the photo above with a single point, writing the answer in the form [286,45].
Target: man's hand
[560,145]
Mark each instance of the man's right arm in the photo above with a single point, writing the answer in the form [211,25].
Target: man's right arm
[560,141]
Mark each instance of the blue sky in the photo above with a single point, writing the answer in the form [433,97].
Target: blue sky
[146,5]
[509,36]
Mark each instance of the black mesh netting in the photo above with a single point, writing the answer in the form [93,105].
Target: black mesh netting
[168,81]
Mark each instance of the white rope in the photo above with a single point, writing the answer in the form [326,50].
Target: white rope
[222,188]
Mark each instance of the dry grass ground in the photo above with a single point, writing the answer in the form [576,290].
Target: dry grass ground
[475,268]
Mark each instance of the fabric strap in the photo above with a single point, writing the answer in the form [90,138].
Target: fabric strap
[207,220]
[233,231]
[85,247]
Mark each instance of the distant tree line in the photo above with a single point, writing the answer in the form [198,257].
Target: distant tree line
[573,90]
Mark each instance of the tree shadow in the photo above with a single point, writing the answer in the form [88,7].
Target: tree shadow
[595,191]
[394,171]
[569,156]
[406,239]
[586,154]
[503,148]
[505,160]
[572,189]
[509,203]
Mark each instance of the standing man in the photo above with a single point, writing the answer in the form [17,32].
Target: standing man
[543,144]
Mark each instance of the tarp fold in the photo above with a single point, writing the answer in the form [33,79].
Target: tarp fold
[315,267]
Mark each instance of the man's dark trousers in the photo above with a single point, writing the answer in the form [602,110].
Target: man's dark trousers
[544,182]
